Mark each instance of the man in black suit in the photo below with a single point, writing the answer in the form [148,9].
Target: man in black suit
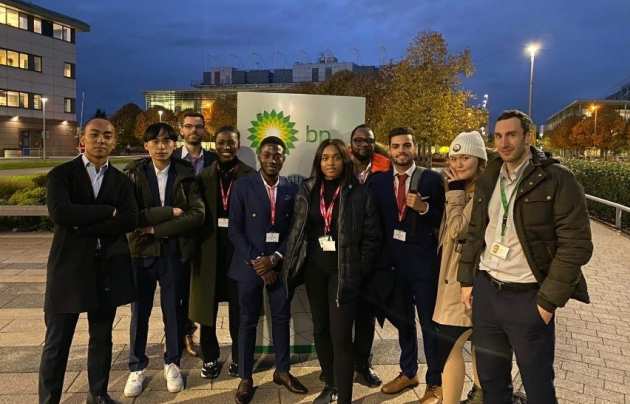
[192,130]
[92,206]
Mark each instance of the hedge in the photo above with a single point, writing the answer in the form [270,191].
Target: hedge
[23,190]
[607,180]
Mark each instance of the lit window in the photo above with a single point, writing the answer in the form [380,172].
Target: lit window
[68,70]
[3,98]
[23,61]
[37,63]
[37,101]
[3,15]
[13,59]
[23,100]
[13,99]
[67,35]
[3,57]
[57,31]
[37,25]
[23,22]
[13,18]
[68,105]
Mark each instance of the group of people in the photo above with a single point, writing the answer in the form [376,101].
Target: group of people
[371,236]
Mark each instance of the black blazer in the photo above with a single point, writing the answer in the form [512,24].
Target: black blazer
[208,156]
[74,280]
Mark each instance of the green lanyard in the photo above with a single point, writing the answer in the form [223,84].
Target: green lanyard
[506,204]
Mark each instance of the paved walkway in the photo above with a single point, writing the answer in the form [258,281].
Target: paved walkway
[592,351]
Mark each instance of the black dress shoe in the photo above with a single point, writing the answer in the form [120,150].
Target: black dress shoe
[233,369]
[244,392]
[210,370]
[287,380]
[328,395]
[367,377]
[100,399]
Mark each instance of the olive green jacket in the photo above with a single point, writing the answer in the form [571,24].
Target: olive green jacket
[552,224]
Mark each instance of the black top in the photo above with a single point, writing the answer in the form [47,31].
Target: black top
[315,225]
[226,172]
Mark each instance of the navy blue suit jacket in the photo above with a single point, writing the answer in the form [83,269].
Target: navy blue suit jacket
[250,221]
[417,257]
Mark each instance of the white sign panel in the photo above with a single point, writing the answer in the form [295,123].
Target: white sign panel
[301,121]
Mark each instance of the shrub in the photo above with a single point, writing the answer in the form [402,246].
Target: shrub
[606,180]
[8,185]
[28,196]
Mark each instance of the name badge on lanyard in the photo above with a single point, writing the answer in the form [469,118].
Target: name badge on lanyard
[223,222]
[272,237]
[498,249]
[400,235]
[326,242]
[225,199]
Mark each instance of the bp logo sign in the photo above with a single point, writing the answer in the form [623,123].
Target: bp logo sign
[272,124]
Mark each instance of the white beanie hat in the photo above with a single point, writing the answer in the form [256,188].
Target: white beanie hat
[470,143]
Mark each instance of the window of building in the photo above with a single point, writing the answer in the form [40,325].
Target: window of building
[3,98]
[37,63]
[68,105]
[68,70]
[13,99]
[13,18]
[37,25]
[328,73]
[13,59]
[315,74]
[23,61]
[67,34]
[23,21]
[57,31]
[37,101]
[3,15]
[3,57]
[23,100]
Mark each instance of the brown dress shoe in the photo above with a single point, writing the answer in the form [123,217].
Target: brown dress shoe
[432,395]
[190,345]
[400,383]
[244,392]
[289,381]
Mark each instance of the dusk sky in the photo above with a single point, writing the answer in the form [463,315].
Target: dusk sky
[146,45]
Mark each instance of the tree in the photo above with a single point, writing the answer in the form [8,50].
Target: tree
[222,113]
[610,134]
[582,135]
[560,136]
[125,122]
[151,116]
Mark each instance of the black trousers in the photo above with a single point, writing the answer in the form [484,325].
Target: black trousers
[506,321]
[167,271]
[332,329]
[189,325]
[59,332]
[208,338]
[364,335]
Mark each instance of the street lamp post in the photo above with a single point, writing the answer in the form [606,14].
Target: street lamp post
[160,112]
[594,109]
[532,49]
[44,100]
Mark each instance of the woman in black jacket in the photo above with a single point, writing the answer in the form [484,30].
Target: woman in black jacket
[332,242]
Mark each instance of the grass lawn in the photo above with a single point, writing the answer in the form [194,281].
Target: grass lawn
[36,163]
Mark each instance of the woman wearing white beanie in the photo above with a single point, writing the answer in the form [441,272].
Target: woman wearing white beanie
[467,159]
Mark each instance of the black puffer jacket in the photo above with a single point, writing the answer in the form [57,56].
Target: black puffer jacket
[358,238]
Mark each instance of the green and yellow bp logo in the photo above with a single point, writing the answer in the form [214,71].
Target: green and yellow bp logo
[272,124]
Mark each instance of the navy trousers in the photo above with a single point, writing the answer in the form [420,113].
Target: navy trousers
[421,293]
[250,300]
[507,321]
[167,271]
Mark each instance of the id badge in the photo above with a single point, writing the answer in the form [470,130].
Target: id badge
[400,235]
[327,244]
[272,238]
[223,222]
[499,250]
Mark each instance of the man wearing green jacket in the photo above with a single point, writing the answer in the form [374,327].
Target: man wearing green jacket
[171,209]
[529,236]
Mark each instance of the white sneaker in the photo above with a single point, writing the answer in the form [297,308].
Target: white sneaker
[134,384]
[174,381]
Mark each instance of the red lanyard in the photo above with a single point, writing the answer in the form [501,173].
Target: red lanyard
[327,211]
[225,196]
[271,192]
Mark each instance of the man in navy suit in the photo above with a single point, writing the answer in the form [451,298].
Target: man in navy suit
[411,202]
[261,207]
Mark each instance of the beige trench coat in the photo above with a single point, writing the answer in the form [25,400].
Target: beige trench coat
[449,310]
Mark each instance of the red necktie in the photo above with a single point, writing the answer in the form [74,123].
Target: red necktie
[401,196]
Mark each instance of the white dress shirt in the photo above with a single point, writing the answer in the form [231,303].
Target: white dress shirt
[162,178]
[409,173]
